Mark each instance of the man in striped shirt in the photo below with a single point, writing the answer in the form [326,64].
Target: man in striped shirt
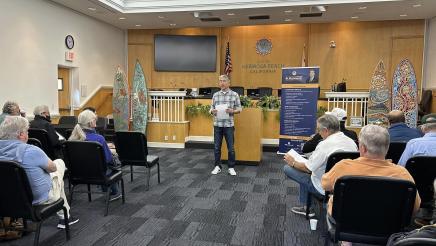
[225,103]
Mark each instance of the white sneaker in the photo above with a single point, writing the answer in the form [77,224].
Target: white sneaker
[216,170]
[232,171]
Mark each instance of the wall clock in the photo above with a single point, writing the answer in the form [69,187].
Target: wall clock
[69,41]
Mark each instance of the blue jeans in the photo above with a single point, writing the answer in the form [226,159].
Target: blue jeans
[219,133]
[303,179]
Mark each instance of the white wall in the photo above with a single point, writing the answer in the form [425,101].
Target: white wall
[32,45]
[430,56]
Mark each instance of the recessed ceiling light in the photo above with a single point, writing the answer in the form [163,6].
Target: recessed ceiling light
[173,24]
[403,15]
[289,11]
[161,17]
[363,8]
[354,17]
[137,25]
[230,14]
[417,5]
[92,9]
[122,18]
[288,20]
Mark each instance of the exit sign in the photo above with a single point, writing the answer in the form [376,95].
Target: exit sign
[69,56]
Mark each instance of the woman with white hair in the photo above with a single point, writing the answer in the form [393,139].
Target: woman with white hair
[85,131]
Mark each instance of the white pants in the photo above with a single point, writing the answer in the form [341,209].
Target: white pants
[57,187]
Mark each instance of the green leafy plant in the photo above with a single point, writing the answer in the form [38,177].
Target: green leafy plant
[200,109]
[269,102]
[321,111]
[246,102]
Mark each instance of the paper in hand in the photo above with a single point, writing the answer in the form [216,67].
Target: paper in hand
[221,112]
[296,156]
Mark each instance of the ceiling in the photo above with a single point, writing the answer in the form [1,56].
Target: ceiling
[153,14]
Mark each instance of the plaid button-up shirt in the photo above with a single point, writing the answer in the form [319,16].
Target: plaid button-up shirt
[230,98]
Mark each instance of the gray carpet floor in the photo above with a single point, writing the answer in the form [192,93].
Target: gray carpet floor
[191,207]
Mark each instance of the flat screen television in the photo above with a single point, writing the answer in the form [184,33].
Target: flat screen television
[183,53]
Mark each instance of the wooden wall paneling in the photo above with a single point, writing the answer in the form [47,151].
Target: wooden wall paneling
[171,80]
[252,70]
[101,101]
[144,54]
[409,47]
[157,131]
[271,124]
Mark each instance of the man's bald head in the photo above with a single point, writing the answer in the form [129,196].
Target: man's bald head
[396,116]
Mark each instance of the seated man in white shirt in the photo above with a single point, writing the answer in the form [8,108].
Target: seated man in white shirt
[308,175]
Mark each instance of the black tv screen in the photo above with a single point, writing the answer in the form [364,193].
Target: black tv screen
[177,53]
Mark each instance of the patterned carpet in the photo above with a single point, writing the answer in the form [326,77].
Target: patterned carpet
[191,207]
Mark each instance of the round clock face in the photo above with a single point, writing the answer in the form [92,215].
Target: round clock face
[69,41]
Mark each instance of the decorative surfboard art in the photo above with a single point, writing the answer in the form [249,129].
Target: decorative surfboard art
[120,102]
[379,102]
[404,92]
[139,100]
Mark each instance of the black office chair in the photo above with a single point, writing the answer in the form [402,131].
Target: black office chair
[45,141]
[68,120]
[35,142]
[238,89]
[101,125]
[133,151]
[213,90]
[395,151]
[331,161]
[16,199]
[265,91]
[86,164]
[423,171]
[416,242]
[205,91]
[253,93]
[370,209]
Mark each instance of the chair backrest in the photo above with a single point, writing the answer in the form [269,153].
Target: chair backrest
[253,92]
[46,144]
[395,151]
[68,120]
[265,91]
[372,207]
[204,91]
[34,141]
[85,161]
[338,156]
[213,90]
[423,171]
[238,89]
[16,194]
[131,147]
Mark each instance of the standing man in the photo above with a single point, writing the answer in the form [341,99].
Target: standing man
[225,103]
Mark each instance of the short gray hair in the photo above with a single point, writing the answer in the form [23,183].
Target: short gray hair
[329,122]
[40,109]
[12,127]
[11,107]
[375,139]
[224,77]
[430,126]
[83,122]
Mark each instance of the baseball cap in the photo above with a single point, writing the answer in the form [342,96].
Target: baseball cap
[339,113]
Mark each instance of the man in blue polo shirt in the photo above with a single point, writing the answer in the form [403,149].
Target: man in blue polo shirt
[424,146]
[398,130]
[45,176]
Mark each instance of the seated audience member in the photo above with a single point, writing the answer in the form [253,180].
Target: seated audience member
[398,130]
[310,145]
[42,121]
[308,175]
[85,131]
[373,146]
[92,109]
[45,176]
[423,146]
[10,108]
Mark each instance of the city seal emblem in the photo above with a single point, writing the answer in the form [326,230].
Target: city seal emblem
[263,46]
